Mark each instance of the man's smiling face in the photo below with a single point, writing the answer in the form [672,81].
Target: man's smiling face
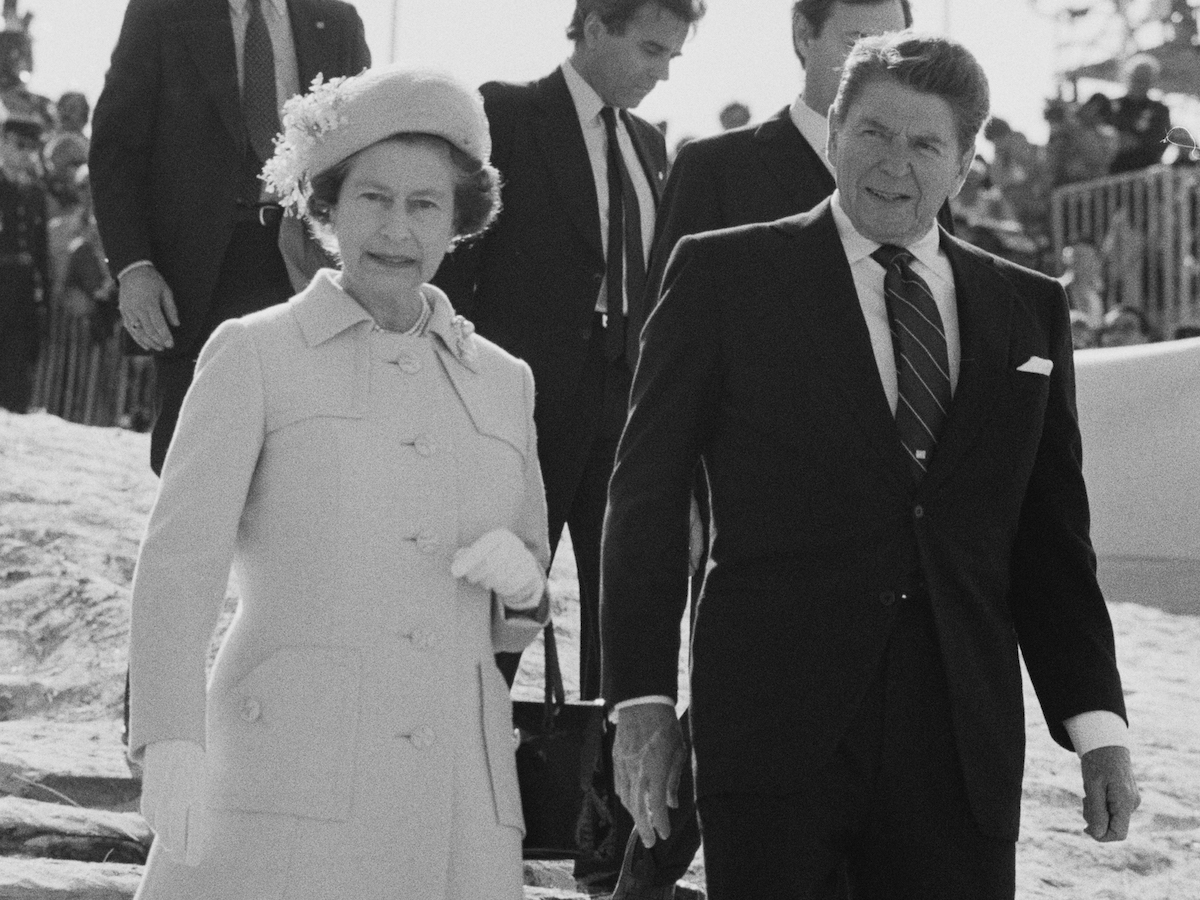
[897,159]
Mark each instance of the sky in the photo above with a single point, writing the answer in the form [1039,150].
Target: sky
[740,51]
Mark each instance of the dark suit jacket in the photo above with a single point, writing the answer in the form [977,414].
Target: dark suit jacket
[169,142]
[758,361]
[758,173]
[531,283]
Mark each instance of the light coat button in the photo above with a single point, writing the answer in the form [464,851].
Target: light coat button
[421,738]
[427,542]
[425,446]
[422,639]
[408,363]
[251,709]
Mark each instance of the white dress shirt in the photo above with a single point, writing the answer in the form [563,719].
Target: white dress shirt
[587,106]
[813,127]
[1088,730]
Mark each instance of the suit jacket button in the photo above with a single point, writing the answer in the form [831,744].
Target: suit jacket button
[887,598]
[918,511]
[251,710]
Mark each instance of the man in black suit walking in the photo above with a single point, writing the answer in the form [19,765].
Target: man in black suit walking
[558,281]
[185,121]
[887,419]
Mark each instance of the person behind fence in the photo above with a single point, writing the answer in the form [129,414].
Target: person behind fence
[24,259]
[369,465]
[1125,326]
[886,415]
[1142,123]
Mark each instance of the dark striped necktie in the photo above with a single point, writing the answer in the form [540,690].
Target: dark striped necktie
[922,362]
[259,100]
[625,268]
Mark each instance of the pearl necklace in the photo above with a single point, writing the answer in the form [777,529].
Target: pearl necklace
[416,329]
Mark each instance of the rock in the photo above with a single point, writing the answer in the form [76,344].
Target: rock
[53,879]
[34,828]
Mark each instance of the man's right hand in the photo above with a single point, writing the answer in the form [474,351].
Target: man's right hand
[147,305]
[648,758]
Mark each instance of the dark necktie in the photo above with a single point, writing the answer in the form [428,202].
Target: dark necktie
[259,102]
[922,364]
[625,267]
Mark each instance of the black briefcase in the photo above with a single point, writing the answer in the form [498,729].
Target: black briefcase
[564,769]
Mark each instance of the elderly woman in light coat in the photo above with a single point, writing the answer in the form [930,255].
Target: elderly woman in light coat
[368,467]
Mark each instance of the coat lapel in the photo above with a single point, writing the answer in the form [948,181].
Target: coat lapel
[653,165]
[985,307]
[832,329]
[789,158]
[565,154]
[208,36]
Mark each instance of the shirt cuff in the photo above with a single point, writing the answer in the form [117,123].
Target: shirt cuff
[1099,728]
[140,264]
[661,699]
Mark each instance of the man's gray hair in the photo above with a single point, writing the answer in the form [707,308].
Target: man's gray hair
[927,63]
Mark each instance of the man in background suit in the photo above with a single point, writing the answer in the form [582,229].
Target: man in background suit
[776,168]
[185,120]
[542,283]
[887,419]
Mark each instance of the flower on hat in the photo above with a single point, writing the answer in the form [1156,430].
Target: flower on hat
[307,119]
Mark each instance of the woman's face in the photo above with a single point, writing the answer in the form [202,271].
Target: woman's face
[394,218]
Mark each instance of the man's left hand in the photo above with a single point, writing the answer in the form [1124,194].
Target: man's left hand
[1110,792]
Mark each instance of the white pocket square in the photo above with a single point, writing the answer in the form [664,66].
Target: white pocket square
[1036,365]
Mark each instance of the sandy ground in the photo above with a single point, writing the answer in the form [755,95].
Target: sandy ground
[73,503]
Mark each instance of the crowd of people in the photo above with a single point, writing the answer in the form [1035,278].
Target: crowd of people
[405,333]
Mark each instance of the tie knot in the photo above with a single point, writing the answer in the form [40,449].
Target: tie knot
[889,254]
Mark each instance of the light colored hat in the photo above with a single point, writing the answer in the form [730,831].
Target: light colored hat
[337,118]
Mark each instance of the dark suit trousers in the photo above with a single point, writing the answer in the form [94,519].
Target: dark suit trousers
[579,500]
[252,277]
[888,820]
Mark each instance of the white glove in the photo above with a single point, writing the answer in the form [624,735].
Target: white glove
[499,562]
[172,791]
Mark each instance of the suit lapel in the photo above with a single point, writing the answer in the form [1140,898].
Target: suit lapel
[789,158]
[315,46]
[209,38]
[653,164]
[829,325]
[558,134]
[985,306]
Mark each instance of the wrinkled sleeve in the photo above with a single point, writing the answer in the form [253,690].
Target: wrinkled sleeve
[513,633]
[183,567]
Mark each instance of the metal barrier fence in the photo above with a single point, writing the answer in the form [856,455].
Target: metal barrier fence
[84,376]
[1146,226]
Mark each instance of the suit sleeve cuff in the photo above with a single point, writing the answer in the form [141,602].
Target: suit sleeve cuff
[1099,728]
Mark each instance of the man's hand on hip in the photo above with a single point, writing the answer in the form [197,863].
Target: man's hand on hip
[147,305]
[1110,792]
[648,758]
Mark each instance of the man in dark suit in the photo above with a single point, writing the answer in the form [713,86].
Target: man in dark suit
[181,129]
[887,419]
[776,168]
[753,174]
[542,282]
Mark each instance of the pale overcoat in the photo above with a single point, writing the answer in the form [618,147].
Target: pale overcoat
[337,468]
